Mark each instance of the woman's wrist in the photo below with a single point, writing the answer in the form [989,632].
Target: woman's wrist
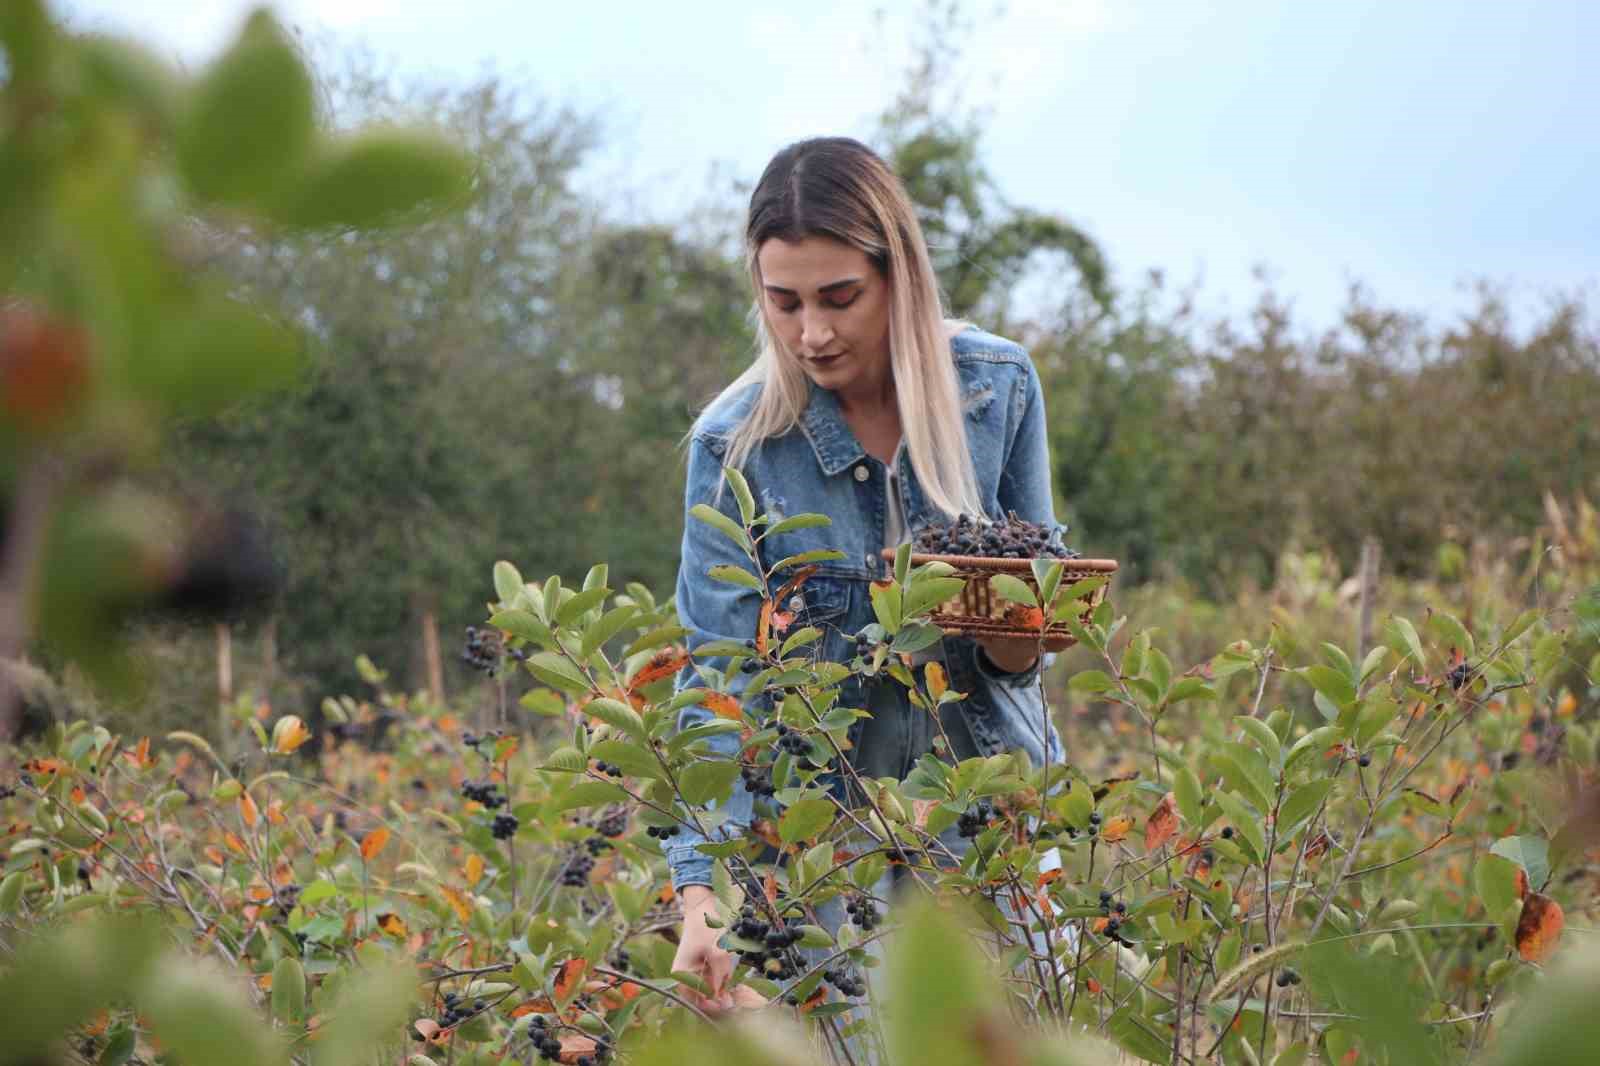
[695,897]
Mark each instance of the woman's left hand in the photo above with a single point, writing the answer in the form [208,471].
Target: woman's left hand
[1016,654]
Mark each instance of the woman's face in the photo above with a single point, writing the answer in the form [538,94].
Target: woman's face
[829,305]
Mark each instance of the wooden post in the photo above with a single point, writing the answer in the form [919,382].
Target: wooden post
[430,654]
[1371,556]
[224,663]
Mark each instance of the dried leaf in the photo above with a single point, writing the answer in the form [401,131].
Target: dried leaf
[763,626]
[1162,824]
[567,978]
[723,706]
[1539,927]
[1116,829]
[373,843]
[938,684]
[664,663]
[457,901]
[393,925]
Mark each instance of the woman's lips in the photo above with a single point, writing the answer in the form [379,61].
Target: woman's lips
[826,360]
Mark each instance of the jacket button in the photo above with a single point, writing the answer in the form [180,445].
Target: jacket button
[796,603]
[862,473]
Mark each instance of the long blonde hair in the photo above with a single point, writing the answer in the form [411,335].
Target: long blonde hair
[838,187]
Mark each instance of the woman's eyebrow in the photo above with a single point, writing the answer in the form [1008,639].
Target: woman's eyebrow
[830,287]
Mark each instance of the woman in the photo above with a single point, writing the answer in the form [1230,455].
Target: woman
[867,406]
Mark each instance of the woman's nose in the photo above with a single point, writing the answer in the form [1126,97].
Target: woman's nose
[815,332]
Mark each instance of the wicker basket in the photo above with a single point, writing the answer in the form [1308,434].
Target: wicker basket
[977,611]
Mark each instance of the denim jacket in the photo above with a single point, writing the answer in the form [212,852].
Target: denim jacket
[821,467]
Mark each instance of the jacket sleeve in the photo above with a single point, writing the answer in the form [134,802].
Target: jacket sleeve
[1025,487]
[710,611]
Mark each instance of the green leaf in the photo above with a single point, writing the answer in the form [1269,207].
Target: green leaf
[798,521]
[605,627]
[1495,879]
[708,779]
[373,1004]
[735,575]
[1301,804]
[1190,688]
[211,353]
[618,715]
[1333,684]
[567,759]
[723,524]
[634,760]
[1047,575]
[799,638]
[1557,1024]
[554,670]
[1091,681]
[1244,821]
[886,606]
[1529,852]
[250,118]
[590,794]
[741,494]
[1314,742]
[198,1013]
[1141,1037]
[915,637]
[655,638]
[1012,588]
[1246,770]
[902,562]
[805,819]
[1264,737]
[508,582]
[1186,790]
[926,592]
[288,990]
[1408,636]
[819,555]
[1452,632]
[580,604]
[375,179]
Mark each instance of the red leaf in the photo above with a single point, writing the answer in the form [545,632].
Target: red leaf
[1162,825]
[373,843]
[1539,927]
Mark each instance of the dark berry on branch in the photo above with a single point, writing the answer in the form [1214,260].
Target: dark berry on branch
[504,827]
[1364,761]
[1459,674]
[1227,832]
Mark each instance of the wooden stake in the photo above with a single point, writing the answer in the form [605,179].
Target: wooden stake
[430,653]
[224,663]
[1371,555]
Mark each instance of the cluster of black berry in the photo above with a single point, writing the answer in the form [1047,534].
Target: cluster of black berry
[847,983]
[285,897]
[774,959]
[472,740]
[1009,538]
[548,1045]
[792,742]
[1458,676]
[974,819]
[620,961]
[482,650]
[1287,977]
[862,913]
[576,872]
[661,832]
[597,845]
[504,826]
[484,792]
[613,825]
[1116,912]
[457,1010]
[758,779]
[607,769]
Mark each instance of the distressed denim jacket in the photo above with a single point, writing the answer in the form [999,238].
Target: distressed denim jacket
[820,467]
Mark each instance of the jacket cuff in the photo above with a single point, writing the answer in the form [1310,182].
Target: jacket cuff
[990,672]
[689,867]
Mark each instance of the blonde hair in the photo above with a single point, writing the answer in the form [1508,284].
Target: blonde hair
[837,187]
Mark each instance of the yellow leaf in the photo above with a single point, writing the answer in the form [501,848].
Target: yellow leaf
[1116,829]
[458,902]
[937,682]
[288,734]
[373,843]
[393,925]
[474,869]
[247,809]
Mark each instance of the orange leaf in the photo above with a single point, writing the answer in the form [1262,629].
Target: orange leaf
[394,925]
[234,843]
[1162,825]
[259,893]
[567,979]
[139,754]
[288,734]
[78,794]
[723,706]
[275,813]
[938,684]
[1522,883]
[247,809]
[769,887]
[214,853]
[664,663]
[457,901]
[1539,927]
[373,843]
[1117,828]
[1100,923]
[763,626]
[474,869]
[800,577]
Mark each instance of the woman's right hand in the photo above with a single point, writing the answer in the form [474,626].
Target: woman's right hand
[699,954]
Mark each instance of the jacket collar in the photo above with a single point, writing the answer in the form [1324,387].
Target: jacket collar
[830,436]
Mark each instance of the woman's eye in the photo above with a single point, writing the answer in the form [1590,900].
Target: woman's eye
[844,301]
[786,308]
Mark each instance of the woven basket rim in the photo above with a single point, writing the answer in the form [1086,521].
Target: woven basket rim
[979,562]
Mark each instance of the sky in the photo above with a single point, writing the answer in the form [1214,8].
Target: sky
[1416,147]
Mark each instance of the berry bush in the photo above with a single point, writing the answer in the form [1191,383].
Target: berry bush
[1284,852]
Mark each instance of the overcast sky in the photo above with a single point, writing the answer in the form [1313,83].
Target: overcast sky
[1413,145]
